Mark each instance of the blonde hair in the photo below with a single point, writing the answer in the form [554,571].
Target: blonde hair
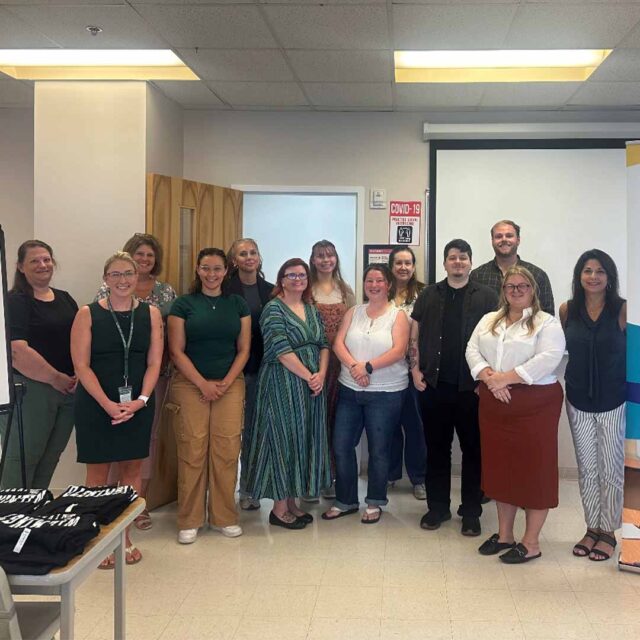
[119,255]
[231,256]
[503,304]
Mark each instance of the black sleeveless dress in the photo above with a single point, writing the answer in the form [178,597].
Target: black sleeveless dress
[97,440]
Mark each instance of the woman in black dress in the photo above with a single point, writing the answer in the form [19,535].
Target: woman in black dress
[116,346]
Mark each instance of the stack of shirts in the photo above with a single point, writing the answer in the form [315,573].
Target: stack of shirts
[105,503]
[34,545]
[38,533]
[22,500]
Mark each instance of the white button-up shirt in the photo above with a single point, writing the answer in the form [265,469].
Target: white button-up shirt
[535,357]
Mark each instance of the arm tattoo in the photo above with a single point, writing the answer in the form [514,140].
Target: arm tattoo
[413,353]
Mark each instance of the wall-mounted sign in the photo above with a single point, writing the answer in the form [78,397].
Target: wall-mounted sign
[404,222]
[376,254]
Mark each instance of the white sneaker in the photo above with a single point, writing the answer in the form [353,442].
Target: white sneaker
[187,536]
[420,491]
[232,531]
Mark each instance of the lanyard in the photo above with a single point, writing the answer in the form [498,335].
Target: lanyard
[125,343]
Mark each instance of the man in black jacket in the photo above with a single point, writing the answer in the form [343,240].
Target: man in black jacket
[445,315]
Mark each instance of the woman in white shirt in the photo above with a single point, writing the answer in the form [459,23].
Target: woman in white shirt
[371,346]
[514,352]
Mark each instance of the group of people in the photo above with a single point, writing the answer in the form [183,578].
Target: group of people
[285,377]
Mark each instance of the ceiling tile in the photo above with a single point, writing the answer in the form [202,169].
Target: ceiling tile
[15,33]
[14,93]
[190,2]
[451,26]
[632,39]
[265,94]
[608,94]
[188,93]
[350,94]
[237,64]
[66,25]
[622,65]
[330,27]
[436,96]
[546,26]
[532,94]
[342,66]
[60,2]
[220,27]
[323,2]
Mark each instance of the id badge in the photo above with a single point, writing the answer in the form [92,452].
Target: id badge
[125,393]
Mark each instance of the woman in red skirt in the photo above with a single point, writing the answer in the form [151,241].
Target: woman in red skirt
[514,352]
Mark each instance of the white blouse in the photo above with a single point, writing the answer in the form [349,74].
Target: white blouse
[367,339]
[534,357]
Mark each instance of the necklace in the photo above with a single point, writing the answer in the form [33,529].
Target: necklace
[211,300]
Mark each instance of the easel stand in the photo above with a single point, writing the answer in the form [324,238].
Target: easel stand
[20,389]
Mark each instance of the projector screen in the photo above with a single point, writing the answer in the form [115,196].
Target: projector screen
[6,394]
[566,200]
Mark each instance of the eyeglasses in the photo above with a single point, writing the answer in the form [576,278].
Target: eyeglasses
[116,275]
[295,276]
[207,269]
[523,287]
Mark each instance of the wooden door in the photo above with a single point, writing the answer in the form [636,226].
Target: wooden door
[185,216]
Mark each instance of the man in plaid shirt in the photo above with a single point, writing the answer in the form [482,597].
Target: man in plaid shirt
[505,239]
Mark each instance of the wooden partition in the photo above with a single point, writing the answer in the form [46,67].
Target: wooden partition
[185,216]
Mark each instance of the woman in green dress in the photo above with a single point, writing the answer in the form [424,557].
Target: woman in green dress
[288,451]
[116,347]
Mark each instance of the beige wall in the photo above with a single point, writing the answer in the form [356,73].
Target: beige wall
[16,180]
[164,133]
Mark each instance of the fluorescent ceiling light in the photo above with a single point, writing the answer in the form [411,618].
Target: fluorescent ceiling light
[94,64]
[557,65]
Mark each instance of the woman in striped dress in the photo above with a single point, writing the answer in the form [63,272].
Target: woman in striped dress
[288,451]
[594,322]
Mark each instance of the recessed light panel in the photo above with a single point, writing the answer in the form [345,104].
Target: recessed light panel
[557,65]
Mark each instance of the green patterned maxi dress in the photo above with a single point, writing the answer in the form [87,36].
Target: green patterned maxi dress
[288,453]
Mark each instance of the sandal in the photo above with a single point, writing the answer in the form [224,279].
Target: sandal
[133,555]
[581,550]
[337,513]
[143,521]
[599,555]
[371,511]
[108,563]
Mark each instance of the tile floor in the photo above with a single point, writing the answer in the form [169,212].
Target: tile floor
[346,581]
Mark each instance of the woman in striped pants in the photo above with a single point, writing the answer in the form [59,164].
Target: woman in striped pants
[595,321]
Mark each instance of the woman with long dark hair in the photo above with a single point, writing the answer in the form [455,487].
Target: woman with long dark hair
[40,319]
[246,279]
[408,436]
[333,296]
[288,451]
[209,337]
[595,321]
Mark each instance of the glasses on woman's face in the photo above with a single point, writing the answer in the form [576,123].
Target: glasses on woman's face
[295,276]
[206,269]
[117,275]
[523,287]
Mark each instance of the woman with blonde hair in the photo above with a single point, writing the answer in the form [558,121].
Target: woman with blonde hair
[116,346]
[515,352]
[246,279]
[333,296]
[147,253]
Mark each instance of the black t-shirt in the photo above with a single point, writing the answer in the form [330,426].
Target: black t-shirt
[23,500]
[451,347]
[251,294]
[46,326]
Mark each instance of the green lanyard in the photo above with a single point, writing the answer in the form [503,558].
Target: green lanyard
[125,343]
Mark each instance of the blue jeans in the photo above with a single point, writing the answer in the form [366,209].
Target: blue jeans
[376,412]
[408,437]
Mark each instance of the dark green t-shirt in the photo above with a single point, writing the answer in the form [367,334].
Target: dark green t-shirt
[211,333]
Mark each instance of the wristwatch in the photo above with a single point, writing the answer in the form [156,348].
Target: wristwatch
[144,399]
[368,367]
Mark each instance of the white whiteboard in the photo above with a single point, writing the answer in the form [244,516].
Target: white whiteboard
[565,200]
[5,371]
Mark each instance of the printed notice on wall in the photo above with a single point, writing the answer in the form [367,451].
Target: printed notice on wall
[404,222]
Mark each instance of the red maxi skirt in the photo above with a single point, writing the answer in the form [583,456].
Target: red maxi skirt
[519,443]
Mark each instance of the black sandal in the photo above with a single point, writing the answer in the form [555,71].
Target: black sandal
[492,545]
[583,550]
[598,555]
